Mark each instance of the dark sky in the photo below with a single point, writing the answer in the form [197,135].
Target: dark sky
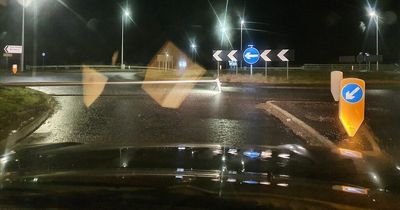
[90,30]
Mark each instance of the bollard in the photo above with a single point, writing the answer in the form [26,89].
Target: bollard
[14,69]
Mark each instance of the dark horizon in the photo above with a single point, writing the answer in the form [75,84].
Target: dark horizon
[90,31]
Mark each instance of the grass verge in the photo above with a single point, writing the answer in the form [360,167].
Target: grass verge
[311,77]
[19,106]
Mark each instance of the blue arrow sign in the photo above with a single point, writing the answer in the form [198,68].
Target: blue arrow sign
[251,55]
[352,93]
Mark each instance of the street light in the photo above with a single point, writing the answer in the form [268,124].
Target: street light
[126,13]
[23,35]
[375,17]
[193,46]
[242,22]
[43,56]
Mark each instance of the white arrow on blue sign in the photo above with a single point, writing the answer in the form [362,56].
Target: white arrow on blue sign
[352,93]
[251,55]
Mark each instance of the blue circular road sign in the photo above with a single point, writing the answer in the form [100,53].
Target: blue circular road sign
[352,93]
[251,55]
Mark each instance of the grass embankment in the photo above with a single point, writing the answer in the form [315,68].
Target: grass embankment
[311,77]
[19,106]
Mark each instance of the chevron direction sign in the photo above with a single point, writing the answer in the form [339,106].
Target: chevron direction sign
[283,55]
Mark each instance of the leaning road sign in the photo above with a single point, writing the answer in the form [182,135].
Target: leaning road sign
[352,104]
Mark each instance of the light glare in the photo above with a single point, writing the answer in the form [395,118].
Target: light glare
[372,14]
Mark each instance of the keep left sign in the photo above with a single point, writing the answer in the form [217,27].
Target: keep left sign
[352,104]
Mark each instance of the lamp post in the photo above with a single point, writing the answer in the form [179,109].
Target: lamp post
[193,46]
[241,39]
[125,15]
[375,17]
[43,56]
[23,35]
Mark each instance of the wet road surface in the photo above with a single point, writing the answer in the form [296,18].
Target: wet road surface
[125,114]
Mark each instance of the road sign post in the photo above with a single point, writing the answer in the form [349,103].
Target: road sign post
[231,57]
[281,55]
[264,56]
[287,70]
[6,56]
[352,104]
[218,67]
[251,56]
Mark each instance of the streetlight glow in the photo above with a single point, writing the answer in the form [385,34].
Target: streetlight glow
[127,13]
[242,22]
[372,14]
[223,29]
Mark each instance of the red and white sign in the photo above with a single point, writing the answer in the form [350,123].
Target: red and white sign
[13,49]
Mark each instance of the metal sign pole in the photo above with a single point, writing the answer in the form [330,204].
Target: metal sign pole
[236,69]
[218,70]
[266,69]
[251,70]
[287,70]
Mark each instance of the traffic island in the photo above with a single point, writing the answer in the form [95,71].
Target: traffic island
[22,110]
[319,125]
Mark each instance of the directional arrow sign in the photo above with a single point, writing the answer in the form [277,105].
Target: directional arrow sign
[251,55]
[352,104]
[216,55]
[231,55]
[264,55]
[281,55]
[13,49]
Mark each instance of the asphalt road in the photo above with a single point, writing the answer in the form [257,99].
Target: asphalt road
[125,114]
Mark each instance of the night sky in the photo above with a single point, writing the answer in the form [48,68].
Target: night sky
[90,30]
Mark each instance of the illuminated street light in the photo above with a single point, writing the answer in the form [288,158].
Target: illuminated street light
[373,14]
[24,4]
[43,57]
[193,46]
[23,35]
[224,29]
[242,22]
[126,14]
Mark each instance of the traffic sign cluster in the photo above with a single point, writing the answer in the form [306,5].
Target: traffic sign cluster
[251,55]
